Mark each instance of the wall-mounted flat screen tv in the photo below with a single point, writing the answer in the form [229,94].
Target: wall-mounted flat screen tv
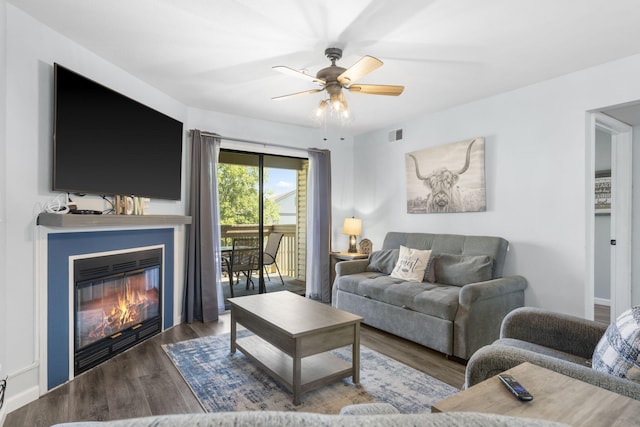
[108,144]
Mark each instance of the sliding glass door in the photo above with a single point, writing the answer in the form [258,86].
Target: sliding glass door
[262,203]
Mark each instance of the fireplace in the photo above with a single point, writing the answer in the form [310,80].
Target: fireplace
[117,304]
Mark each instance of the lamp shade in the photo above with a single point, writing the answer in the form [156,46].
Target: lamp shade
[352,226]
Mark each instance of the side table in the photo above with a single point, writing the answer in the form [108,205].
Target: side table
[556,397]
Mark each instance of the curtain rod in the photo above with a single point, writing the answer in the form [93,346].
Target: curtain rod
[248,141]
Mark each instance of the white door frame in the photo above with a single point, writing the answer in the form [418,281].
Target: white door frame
[621,208]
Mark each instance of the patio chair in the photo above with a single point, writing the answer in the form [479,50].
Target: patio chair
[242,259]
[270,252]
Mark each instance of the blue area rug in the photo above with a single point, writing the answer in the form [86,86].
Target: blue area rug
[225,382]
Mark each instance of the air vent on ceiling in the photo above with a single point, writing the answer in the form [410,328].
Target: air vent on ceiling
[395,135]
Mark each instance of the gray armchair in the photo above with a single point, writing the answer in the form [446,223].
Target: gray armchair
[555,341]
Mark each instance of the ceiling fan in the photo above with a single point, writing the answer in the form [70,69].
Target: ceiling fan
[335,78]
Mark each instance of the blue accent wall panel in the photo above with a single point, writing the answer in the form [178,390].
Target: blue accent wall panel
[63,245]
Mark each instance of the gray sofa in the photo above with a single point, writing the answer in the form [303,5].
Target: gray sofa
[555,341]
[363,415]
[455,319]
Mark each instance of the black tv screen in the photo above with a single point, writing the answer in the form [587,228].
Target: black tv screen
[108,144]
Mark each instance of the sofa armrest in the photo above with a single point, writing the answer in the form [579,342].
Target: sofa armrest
[482,306]
[491,288]
[562,332]
[494,359]
[344,268]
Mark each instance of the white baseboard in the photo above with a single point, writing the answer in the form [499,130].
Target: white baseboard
[21,399]
[3,415]
[22,388]
[602,301]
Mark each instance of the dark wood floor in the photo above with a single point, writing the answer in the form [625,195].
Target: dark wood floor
[143,381]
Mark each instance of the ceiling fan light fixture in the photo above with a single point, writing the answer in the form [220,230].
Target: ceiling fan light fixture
[321,110]
[336,102]
[334,108]
[345,114]
[344,107]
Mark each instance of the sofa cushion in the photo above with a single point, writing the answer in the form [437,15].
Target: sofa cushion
[411,264]
[460,270]
[619,348]
[383,261]
[427,298]
[351,282]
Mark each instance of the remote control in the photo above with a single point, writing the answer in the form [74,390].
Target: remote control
[515,387]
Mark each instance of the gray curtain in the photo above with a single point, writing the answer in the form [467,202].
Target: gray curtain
[203,290]
[319,225]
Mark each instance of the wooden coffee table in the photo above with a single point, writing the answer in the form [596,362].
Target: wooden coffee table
[556,397]
[292,338]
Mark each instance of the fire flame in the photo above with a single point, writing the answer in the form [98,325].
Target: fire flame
[127,309]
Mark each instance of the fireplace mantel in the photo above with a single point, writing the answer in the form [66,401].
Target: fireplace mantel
[72,220]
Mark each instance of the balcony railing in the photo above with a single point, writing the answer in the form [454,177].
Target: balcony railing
[287,257]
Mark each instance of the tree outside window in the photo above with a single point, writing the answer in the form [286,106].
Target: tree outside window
[238,196]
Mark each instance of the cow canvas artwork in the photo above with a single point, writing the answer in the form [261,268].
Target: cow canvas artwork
[447,178]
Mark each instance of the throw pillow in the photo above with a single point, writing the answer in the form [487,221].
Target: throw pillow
[383,261]
[411,264]
[430,272]
[460,270]
[619,349]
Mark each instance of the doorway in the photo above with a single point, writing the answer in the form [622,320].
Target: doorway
[262,199]
[609,218]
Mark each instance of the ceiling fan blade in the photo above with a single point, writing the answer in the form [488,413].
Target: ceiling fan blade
[295,73]
[306,92]
[364,66]
[389,90]
[380,18]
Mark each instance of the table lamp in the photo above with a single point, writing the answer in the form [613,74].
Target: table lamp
[353,227]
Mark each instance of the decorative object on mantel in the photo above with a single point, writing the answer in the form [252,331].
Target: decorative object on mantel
[353,227]
[603,192]
[129,205]
[447,178]
[366,246]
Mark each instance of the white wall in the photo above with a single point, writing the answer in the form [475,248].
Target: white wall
[536,177]
[25,159]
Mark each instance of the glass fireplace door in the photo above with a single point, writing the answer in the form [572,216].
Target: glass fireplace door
[105,307]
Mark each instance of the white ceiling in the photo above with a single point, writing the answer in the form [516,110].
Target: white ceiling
[217,55]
